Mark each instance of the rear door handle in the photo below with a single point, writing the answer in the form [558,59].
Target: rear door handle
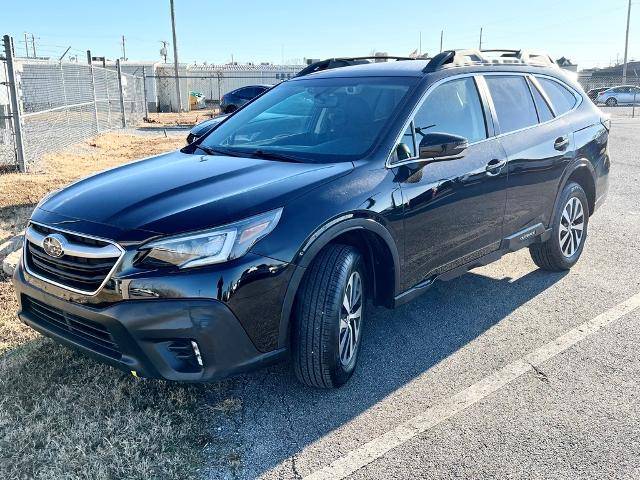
[494,166]
[561,143]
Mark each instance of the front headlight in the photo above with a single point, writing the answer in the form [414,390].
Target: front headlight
[210,246]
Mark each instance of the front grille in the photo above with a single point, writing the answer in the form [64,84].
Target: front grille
[87,333]
[79,273]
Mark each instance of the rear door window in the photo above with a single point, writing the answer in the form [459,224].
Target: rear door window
[513,102]
[561,97]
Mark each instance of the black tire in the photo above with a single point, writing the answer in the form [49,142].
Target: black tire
[611,102]
[230,109]
[316,325]
[549,255]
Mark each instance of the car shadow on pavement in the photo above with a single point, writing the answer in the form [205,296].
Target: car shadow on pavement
[279,416]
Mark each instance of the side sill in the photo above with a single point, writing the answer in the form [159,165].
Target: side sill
[523,238]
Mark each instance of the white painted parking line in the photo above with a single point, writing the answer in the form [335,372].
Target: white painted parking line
[376,448]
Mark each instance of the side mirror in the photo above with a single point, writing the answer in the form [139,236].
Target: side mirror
[442,146]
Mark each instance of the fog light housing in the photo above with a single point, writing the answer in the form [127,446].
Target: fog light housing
[183,355]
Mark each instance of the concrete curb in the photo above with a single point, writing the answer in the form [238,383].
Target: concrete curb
[10,262]
[11,245]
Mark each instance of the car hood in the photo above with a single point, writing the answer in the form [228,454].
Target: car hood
[178,192]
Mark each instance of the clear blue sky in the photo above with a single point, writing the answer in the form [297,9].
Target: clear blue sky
[590,33]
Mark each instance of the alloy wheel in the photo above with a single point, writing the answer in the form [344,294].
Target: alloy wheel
[350,319]
[571,227]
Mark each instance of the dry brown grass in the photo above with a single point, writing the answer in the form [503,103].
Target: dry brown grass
[60,168]
[184,118]
[12,332]
[65,416]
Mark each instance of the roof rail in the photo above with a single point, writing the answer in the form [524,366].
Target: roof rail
[529,57]
[338,62]
[455,58]
[462,58]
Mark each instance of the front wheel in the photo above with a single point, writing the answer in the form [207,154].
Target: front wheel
[568,234]
[329,315]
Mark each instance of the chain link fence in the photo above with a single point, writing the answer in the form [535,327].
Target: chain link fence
[203,86]
[64,103]
[627,104]
[59,104]
[594,81]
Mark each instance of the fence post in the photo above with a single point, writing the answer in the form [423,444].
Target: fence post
[144,93]
[93,90]
[219,75]
[121,91]
[106,84]
[64,94]
[15,102]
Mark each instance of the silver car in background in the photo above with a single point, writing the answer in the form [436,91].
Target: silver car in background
[622,95]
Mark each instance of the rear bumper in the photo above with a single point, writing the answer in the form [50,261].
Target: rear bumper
[143,332]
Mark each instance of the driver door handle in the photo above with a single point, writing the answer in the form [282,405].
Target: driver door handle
[494,166]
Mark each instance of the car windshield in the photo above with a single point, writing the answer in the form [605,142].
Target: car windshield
[313,120]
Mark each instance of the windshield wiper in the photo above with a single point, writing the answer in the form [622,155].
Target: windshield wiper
[274,156]
[219,151]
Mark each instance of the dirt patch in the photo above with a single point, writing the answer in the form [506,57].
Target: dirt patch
[184,118]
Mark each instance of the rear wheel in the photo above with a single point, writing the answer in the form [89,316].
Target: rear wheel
[611,102]
[569,232]
[329,314]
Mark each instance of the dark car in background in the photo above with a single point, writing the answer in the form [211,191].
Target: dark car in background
[594,92]
[233,100]
[269,237]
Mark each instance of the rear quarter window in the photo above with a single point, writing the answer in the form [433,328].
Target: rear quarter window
[562,99]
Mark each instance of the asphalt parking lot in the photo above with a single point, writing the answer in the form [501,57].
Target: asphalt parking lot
[573,414]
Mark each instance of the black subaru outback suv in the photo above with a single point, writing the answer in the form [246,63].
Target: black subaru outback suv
[268,236]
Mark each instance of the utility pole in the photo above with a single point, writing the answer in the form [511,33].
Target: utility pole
[33,46]
[124,50]
[441,35]
[480,46]
[626,46]
[163,50]
[175,55]
[420,44]
[26,44]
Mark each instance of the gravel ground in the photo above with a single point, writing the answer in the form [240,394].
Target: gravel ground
[577,418]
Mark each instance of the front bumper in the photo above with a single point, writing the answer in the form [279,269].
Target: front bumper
[144,331]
